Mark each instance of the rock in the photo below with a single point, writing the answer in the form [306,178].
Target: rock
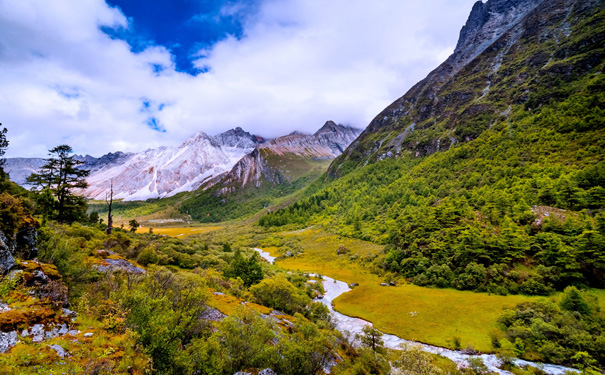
[341,250]
[68,313]
[88,334]
[288,254]
[212,315]
[38,332]
[62,329]
[392,283]
[13,273]
[27,238]
[7,340]
[51,334]
[38,278]
[218,294]
[320,297]
[353,285]
[60,351]
[242,373]
[120,265]
[384,284]
[267,371]
[7,249]
[4,307]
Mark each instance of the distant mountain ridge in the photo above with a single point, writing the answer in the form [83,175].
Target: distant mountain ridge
[199,160]
[263,164]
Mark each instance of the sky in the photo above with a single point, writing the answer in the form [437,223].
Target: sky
[129,75]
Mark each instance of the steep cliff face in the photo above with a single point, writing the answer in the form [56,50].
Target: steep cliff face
[507,52]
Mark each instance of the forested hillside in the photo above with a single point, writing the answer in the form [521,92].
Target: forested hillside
[513,204]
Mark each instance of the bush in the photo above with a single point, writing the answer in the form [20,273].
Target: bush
[280,294]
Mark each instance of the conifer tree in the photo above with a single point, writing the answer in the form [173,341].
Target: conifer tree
[60,176]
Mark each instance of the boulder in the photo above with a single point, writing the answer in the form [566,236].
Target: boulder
[27,238]
[60,351]
[341,250]
[267,371]
[7,340]
[384,284]
[111,265]
[7,249]
[212,314]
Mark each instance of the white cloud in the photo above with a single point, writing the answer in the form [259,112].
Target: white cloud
[300,63]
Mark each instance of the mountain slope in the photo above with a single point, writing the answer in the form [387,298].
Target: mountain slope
[275,168]
[510,52]
[286,158]
[492,179]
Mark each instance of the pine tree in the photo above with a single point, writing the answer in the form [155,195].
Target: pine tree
[60,176]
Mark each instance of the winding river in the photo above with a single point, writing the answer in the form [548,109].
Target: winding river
[344,323]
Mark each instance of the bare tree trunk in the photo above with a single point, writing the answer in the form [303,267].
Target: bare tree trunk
[109,204]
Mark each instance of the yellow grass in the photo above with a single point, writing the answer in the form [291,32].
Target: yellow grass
[228,305]
[433,316]
[179,231]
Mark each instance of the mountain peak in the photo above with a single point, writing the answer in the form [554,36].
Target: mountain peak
[490,20]
[329,126]
[197,137]
[238,137]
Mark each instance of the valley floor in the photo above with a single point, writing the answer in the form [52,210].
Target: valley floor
[442,317]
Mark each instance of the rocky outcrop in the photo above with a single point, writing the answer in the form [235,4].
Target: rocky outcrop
[7,250]
[112,265]
[238,138]
[24,243]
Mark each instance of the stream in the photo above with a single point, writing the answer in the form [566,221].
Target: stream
[344,323]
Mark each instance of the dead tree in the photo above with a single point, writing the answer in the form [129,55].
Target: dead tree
[109,204]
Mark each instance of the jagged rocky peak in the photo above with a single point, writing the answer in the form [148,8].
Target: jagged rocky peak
[490,20]
[332,128]
[238,137]
[329,126]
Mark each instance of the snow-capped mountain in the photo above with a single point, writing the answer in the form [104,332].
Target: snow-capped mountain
[154,173]
[166,171]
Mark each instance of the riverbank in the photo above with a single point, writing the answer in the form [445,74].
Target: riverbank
[353,326]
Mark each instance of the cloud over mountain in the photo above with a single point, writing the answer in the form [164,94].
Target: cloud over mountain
[296,63]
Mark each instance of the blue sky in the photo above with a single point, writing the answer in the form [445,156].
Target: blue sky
[128,75]
[182,26]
